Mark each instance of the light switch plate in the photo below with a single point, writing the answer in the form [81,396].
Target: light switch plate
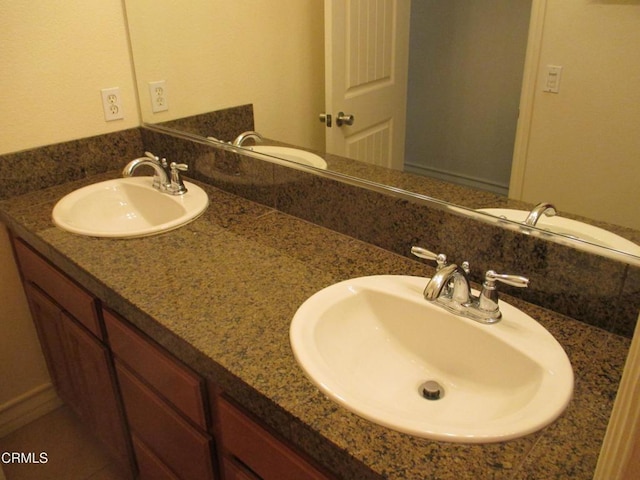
[552,79]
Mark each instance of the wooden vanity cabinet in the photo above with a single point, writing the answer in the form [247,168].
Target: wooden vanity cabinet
[148,408]
[68,326]
[250,452]
[165,405]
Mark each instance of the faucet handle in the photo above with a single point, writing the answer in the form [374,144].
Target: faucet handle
[177,186]
[152,156]
[439,258]
[488,299]
[491,277]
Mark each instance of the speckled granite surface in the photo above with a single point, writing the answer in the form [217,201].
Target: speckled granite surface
[224,124]
[220,293]
[37,168]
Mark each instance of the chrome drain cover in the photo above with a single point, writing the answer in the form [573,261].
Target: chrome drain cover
[431,390]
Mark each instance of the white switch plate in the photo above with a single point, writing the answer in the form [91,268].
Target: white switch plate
[159,97]
[112,104]
[552,79]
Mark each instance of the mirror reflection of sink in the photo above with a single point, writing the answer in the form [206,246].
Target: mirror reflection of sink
[127,207]
[571,228]
[371,343]
[292,154]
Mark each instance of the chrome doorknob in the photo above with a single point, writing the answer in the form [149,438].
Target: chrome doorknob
[325,118]
[344,119]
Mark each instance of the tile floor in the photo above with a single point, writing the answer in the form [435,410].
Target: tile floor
[71,452]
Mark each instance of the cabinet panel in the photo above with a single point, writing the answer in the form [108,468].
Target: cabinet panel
[172,439]
[177,384]
[58,286]
[47,318]
[254,446]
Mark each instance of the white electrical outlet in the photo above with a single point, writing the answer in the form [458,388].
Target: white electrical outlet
[112,104]
[159,97]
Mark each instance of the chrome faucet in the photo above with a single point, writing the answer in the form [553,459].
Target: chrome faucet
[542,208]
[450,288]
[240,139]
[167,176]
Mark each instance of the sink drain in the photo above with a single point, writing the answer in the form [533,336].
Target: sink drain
[431,390]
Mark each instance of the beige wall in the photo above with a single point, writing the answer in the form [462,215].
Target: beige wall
[22,367]
[584,143]
[55,57]
[215,55]
[620,453]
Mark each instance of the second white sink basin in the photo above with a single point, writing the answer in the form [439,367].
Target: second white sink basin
[127,207]
[371,343]
[571,228]
[291,154]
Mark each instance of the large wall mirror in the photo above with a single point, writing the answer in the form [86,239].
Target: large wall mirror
[504,120]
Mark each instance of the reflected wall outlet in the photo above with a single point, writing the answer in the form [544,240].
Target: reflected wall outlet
[159,97]
[112,104]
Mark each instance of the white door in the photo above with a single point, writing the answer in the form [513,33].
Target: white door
[366,65]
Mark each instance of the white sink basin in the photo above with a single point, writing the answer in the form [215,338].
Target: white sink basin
[127,207]
[370,343]
[291,154]
[571,228]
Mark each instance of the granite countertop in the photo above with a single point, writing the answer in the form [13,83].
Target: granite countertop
[220,293]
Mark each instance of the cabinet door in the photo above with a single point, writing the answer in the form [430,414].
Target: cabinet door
[94,383]
[81,370]
[47,317]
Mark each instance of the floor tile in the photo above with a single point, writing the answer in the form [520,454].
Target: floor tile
[71,452]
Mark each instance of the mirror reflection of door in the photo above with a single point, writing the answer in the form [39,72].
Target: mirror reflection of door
[464,75]
[366,63]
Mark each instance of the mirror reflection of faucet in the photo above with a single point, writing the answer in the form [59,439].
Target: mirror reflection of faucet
[542,208]
[250,135]
[240,139]
[450,288]
[167,177]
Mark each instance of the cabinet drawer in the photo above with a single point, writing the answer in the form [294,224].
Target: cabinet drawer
[150,467]
[258,449]
[74,299]
[174,382]
[170,438]
[233,470]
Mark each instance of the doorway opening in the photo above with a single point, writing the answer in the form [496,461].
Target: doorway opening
[466,66]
